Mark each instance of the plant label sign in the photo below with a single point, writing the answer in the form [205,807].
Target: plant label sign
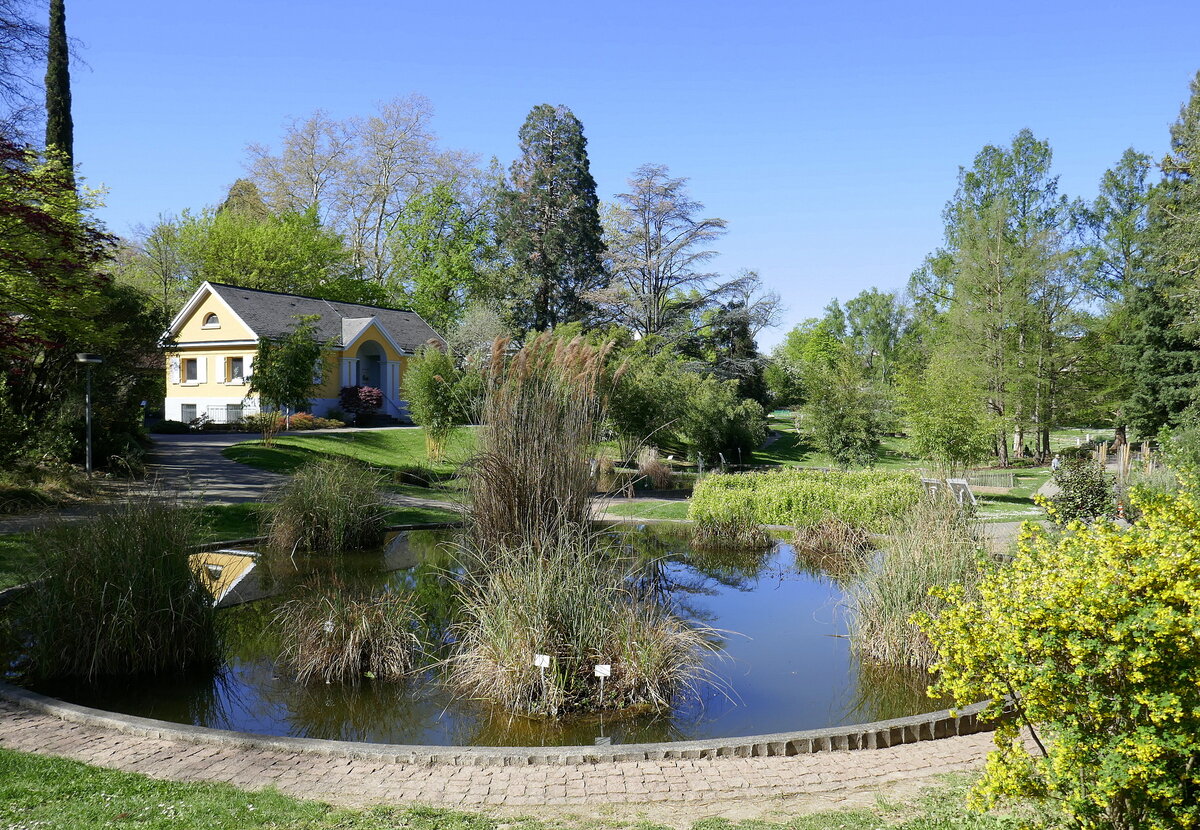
[603,670]
[542,661]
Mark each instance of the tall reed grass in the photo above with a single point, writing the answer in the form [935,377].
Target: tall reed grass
[572,601]
[116,595]
[335,634]
[330,504]
[543,406]
[935,543]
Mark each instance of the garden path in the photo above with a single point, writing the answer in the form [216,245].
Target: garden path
[668,791]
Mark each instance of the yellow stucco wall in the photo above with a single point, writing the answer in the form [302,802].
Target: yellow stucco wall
[230,329]
[216,387]
[214,369]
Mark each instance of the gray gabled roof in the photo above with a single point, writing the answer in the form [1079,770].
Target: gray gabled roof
[271,314]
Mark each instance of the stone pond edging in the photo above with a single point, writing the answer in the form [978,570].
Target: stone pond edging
[866,736]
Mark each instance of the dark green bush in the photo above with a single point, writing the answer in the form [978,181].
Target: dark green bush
[117,595]
[1085,492]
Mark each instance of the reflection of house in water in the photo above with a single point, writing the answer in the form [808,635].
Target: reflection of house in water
[221,571]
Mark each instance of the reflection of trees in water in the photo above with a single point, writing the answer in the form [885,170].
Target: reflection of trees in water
[666,569]
[885,692]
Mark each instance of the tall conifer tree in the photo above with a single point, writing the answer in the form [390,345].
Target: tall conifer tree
[60,130]
[551,218]
[1161,354]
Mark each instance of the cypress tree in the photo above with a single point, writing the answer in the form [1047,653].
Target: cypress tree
[60,130]
[551,218]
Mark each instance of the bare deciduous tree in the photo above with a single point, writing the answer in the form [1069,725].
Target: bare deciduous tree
[359,173]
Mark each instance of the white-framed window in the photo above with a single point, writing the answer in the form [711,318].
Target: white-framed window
[187,412]
[193,370]
[211,321]
[235,369]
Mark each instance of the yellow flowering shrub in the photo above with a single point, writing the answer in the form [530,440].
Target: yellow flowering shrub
[1094,635]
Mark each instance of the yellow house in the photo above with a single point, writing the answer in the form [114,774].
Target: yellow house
[211,345]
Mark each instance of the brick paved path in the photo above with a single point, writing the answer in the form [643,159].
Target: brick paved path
[359,783]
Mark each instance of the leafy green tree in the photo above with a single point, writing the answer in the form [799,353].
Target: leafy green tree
[290,252]
[550,219]
[441,259]
[60,128]
[285,373]
[844,411]
[1005,280]
[875,326]
[715,421]
[945,414]
[432,385]
[1091,638]
[1115,262]
[1160,354]
[646,402]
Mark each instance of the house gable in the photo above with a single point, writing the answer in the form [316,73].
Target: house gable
[194,323]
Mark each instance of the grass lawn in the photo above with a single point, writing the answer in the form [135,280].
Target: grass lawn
[36,791]
[384,448]
[651,509]
[792,449]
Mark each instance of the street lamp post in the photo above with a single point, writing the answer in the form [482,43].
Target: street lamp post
[88,360]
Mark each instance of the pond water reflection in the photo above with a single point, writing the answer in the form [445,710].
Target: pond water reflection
[785,662]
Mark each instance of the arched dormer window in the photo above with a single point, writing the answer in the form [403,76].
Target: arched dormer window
[211,321]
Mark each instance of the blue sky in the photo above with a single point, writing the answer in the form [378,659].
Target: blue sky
[828,135]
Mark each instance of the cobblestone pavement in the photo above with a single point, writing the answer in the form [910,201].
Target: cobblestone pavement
[827,779]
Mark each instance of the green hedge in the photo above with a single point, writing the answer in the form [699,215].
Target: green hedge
[802,498]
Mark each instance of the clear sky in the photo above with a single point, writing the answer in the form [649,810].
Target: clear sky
[829,135]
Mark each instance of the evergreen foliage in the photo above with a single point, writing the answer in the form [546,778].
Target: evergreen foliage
[435,399]
[60,129]
[550,219]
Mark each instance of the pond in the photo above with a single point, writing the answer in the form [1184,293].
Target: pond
[784,665]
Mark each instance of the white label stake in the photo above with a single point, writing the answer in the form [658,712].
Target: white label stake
[603,670]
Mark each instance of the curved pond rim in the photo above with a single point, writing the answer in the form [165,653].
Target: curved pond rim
[945,723]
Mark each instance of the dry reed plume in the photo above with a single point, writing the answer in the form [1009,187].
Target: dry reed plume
[542,411]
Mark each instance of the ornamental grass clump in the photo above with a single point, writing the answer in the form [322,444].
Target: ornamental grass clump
[116,595]
[934,544]
[572,601]
[331,504]
[1091,636]
[531,481]
[332,633]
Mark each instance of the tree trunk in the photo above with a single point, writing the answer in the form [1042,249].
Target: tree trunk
[1120,439]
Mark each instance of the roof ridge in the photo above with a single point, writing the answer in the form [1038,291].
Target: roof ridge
[308,297]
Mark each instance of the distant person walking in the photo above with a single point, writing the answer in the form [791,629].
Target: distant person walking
[1055,463]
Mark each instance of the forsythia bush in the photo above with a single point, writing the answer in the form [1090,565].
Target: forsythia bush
[865,499]
[1096,636]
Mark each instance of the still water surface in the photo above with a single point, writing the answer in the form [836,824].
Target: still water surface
[785,663]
